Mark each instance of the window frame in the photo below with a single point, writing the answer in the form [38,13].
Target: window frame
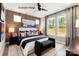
[56,24]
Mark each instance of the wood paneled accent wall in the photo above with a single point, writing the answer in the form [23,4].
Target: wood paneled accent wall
[16,25]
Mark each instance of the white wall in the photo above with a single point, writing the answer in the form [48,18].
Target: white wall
[43,24]
[77,29]
[77,32]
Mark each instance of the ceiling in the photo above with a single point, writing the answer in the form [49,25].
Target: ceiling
[51,7]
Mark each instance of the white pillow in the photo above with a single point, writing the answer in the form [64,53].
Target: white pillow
[23,34]
[14,34]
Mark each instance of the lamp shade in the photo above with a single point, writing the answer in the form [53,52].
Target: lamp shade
[41,29]
[37,21]
[77,23]
[11,29]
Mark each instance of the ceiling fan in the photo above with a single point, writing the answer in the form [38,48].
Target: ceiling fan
[39,8]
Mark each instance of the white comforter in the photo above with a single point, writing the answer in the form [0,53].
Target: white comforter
[30,46]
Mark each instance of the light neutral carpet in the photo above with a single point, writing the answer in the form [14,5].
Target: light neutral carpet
[59,50]
[14,50]
[6,50]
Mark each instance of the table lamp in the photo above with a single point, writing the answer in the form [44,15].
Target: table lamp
[77,23]
[11,30]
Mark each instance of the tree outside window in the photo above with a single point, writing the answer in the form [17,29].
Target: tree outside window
[51,29]
[61,26]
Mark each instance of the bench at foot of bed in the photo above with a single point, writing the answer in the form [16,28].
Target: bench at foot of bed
[42,46]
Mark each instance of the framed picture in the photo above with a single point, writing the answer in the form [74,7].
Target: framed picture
[28,23]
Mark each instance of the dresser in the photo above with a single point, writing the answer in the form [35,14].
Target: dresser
[73,49]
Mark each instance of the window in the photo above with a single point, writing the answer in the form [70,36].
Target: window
[51,26]
[56,25]
[17,18]
[61,26]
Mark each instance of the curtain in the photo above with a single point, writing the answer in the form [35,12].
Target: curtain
[70,29]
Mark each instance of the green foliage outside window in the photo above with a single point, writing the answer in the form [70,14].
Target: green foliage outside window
[62,22]
[51,23]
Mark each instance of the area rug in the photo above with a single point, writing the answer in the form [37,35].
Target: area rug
[14,50]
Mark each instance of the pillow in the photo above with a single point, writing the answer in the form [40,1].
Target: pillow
[34,32]
[14,34]
[27,33]
[23,34]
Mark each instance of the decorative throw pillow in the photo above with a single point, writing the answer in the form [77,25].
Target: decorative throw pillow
[23,34]
[14,34]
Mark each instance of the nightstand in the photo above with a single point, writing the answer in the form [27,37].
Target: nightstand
[14,40]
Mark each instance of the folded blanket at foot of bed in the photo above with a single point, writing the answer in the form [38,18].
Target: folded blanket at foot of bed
[21,38]
[30,40]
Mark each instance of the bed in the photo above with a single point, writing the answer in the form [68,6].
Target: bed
[27,43]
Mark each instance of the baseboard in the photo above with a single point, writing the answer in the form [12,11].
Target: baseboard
[60,42]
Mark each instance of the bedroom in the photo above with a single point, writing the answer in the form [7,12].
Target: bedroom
[31,25]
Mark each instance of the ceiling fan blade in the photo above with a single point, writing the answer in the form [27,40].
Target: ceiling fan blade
[39,6]
[44,9]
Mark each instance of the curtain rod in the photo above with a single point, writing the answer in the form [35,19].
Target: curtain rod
[62,10]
